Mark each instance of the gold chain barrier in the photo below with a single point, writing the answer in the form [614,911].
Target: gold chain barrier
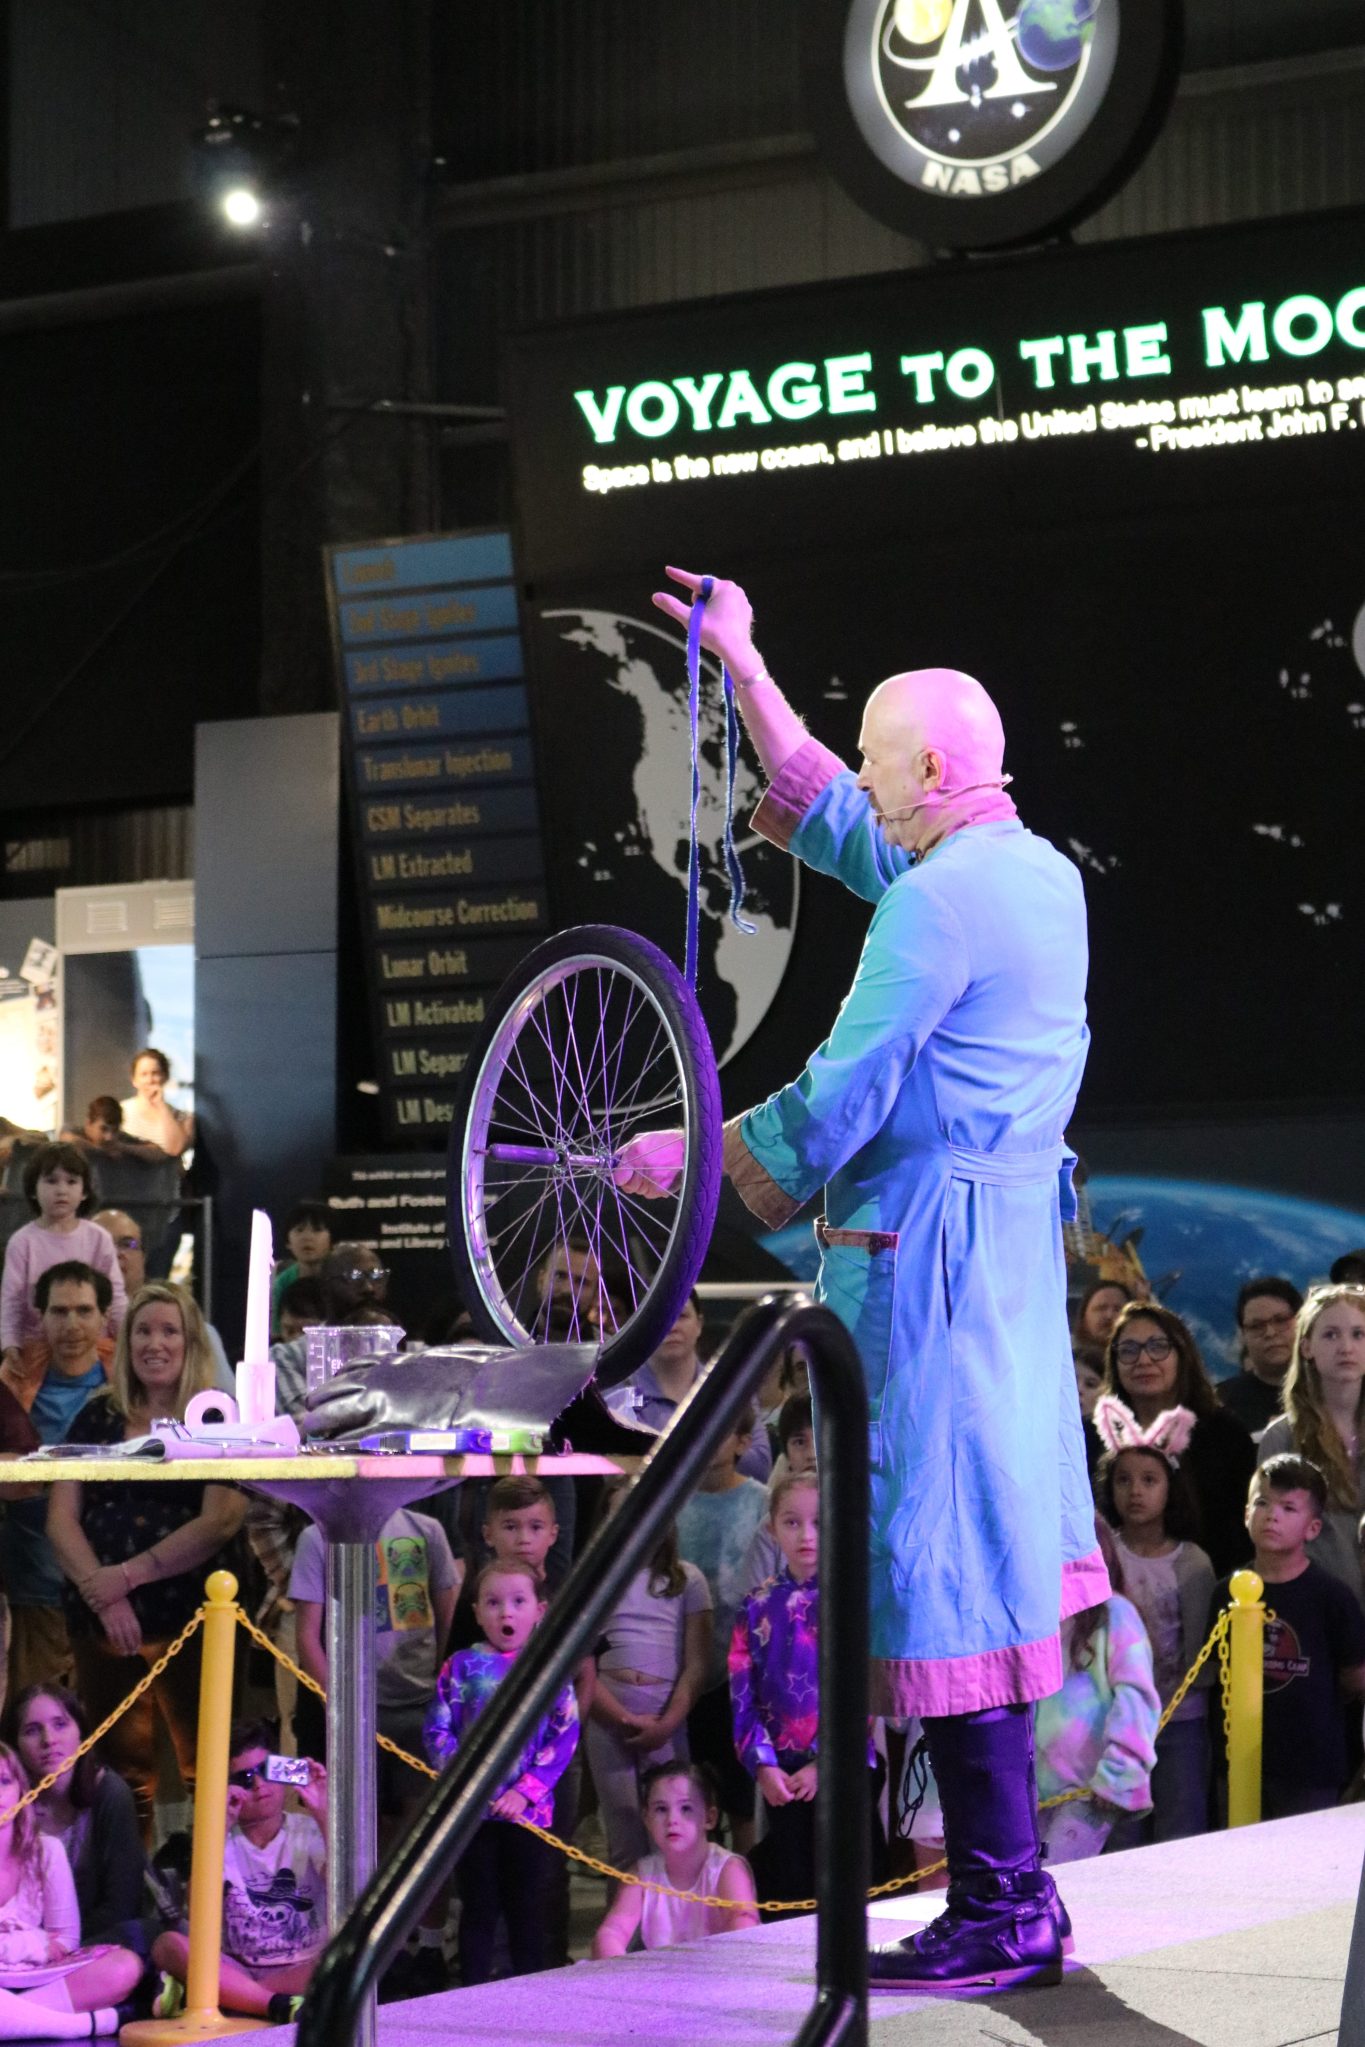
[1236,1635]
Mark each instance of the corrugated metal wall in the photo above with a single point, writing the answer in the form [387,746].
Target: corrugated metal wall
[104,95]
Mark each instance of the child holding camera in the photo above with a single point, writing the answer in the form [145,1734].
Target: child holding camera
[274,1886]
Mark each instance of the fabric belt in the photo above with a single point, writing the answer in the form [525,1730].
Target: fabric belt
[1018,1169]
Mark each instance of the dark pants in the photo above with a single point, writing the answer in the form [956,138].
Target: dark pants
[784,1860]
[505,1873]
[104,1680]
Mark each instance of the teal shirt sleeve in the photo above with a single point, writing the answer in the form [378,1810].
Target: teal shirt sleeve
[914,967]
[838,836]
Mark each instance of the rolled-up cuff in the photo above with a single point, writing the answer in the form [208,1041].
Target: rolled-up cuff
[794,788]
[754,1185]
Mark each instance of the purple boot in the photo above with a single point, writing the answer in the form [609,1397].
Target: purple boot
[1004,1923]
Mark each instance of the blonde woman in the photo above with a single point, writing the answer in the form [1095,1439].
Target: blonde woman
[137,1552]
[1324,1419]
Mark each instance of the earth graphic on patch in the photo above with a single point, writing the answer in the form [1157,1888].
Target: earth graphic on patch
[1052,33]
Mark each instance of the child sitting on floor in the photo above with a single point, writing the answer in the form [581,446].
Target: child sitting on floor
[51,1990]
[274,1890]
[506,1871]
[678,1804]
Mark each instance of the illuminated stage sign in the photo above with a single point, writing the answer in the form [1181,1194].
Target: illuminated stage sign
[1123,484]
[446,820]
[974,124]
[945,395]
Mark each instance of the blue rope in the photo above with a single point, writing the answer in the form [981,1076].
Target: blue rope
[733,866]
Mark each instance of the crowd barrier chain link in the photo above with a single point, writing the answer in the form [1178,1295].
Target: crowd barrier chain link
[1218,1638]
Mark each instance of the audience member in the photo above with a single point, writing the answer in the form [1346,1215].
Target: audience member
[1098,1733]
[308,1235]
[40,1932]
[89,1809]
[301,1306]
[787,1378]
[1348,1270]
[774,1693]
[1324,1399]
[507,1873]
[146,1112]
[1265,1329]
[132,1263]
[418,1582]
[274,1891]
[715,1528]
[679,1810]
[1145,1496]
[1096,1313]
[651,1666]
[61,1192]
[664,1381]
[353,1276]
[73,1300]
[136,1553]
[1152,1363]
[103,1130]
[795,1459]
[1314,1649]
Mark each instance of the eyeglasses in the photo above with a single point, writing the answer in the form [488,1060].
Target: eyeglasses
[245,1779]
[1267,1324]
[1156,1348]
[128,1243]
[357,1272]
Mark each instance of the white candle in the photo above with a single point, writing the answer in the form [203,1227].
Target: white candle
[256,1373]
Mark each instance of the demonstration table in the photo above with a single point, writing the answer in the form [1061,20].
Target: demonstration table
[349,1496]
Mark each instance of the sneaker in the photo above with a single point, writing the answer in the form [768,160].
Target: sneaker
[1003,1934]
[169,1998]
[283,2008]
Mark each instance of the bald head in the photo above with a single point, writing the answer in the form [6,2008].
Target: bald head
[127,1246]
[927,736]
[945,710]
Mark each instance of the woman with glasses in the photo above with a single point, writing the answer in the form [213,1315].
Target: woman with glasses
[137,1553]
[1324,1419]
[1152,1362]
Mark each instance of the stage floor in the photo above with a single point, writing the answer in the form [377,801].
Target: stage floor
[1230,1940]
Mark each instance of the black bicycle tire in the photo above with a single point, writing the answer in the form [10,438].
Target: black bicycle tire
[700,1192]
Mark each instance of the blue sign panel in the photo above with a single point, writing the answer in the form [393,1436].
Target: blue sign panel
[435,661]
[485,608]
[422,564]
[444,714]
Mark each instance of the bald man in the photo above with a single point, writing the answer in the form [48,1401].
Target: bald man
[933,1118]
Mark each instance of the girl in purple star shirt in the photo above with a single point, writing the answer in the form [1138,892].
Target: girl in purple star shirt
[775,1694]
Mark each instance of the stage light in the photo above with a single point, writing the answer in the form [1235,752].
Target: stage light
[241,205]
[240,158]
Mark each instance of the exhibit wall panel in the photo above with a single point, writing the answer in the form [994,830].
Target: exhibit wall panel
[266,799]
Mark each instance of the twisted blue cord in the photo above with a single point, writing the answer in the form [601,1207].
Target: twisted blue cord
[733,865]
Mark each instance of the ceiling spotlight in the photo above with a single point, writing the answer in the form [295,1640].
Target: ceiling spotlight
[241,205]
[239,160]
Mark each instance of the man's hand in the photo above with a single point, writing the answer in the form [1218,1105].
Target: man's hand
[122,1627]
[651,1163]
[727,623]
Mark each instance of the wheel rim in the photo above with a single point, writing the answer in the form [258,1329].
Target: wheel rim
[585,1059]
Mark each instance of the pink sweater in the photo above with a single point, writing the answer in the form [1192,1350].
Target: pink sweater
[30,1252]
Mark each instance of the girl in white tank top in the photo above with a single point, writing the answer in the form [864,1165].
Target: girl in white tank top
[679,1809]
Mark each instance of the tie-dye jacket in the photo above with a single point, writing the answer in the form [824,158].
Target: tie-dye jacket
[463,1689]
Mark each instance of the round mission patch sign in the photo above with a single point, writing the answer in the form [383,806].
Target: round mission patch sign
[973,124]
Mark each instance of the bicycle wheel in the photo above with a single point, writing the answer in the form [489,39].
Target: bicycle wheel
[593,1040]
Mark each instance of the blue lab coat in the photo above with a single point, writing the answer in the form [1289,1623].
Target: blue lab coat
[933,1117]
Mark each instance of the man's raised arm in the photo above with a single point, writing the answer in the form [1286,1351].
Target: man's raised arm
[727,630]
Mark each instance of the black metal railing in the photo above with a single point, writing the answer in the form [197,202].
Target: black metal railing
[362,1949]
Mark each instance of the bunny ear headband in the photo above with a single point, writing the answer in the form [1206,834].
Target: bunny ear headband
[1119,1429]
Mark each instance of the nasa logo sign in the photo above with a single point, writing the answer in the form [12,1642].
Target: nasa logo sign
[974,124]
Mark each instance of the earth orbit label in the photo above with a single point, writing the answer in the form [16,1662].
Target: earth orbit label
[967,98]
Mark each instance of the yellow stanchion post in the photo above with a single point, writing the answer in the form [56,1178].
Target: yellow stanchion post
[1246,1638]
[201,2019]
